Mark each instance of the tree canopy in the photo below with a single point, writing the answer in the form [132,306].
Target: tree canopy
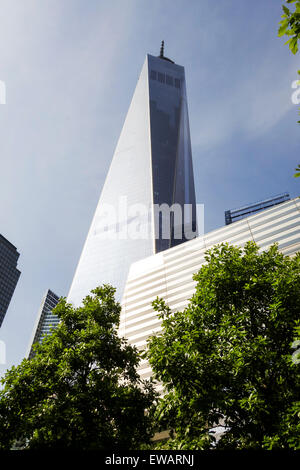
[290,26]
[81,390]
[226,359]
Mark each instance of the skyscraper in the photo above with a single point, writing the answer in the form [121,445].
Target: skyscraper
[9,274]
[151,172]
[46,320]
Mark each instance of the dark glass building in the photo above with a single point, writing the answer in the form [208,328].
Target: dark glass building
[237,214]
[46,320]
[9,274]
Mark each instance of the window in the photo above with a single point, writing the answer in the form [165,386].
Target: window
[177,82]
[169,80]
[153,75]
[161,77]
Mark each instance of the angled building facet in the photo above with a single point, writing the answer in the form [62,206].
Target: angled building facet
[151,166]
[45,321]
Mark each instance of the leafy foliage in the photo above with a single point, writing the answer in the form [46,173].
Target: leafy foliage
[290,25]
[81,390]
[226,359]
[297,174]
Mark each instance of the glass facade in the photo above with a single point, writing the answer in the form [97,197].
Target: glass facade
[172,168]
[9,274]
[152,165]
[46,320]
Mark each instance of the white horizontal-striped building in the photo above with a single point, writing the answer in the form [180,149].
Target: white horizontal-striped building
[169,274]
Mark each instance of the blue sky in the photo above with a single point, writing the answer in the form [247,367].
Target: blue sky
[70,69]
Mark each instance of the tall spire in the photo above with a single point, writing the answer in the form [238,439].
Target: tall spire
[162,49]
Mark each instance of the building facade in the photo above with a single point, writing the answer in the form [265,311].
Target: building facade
[169,274]
[45,321]
[237,214]
[151,167]
[9,274]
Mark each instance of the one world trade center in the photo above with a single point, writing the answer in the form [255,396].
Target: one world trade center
[147,203]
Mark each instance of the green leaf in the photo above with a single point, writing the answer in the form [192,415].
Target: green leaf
[297,174]
[286,10]
[283,28]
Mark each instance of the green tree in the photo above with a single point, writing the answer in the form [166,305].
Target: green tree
[81,390]
[227,358]
[290,26]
